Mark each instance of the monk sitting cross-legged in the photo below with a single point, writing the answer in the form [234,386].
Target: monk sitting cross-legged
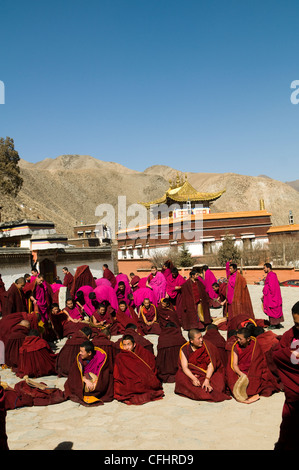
[135,374]
[200,375]
[248,363]
[89,381]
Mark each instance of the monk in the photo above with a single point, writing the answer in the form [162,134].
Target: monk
[169,344]
[139,338]
[157,282]
[134,281]
[14,342]
[148,318]
[174,282]
[102,339]
[210,279]
[68,353]
[68,278]
[124,315]
[272,300]
[135,374]
[220,291]
[36,358]
[82,277]
[40,297]
[286,358]
[194,309]
[105,317]
[248,358]
[166,312]
[108,274]
[89,381]
[74,319]
[201,374]
[237,294]
[122,291]
[15,300]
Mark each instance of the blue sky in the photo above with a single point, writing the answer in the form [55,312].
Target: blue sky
[201,86]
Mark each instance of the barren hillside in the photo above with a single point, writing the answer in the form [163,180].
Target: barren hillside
[68,189]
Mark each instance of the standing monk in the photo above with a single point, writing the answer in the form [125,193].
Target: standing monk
[40,299]
[107,274]
[194,311]
[272,300]
[237,294]
[68,278]
[15,300]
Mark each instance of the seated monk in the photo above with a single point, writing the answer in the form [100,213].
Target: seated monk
[166,313]
[89,381]
[36,359]
[286,358]
[104,317]
[14,342]
[148,318]
[74,318]
[57,319]
[201,374]
[135,374]
[3,435]
[139,338]
[134,281]
[124,315]
[68,353]
[247,358]
[169,344]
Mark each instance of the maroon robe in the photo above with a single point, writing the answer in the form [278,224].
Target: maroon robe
[14,301]
[167,314]
[169,344]
[214,337]
[107,274]
[13,344]
[188,306]
[68,353]
[138,338]
[108,319]
[123,318]
[288,370]
[253,363]
[68,280]
[74,387]
[36,358]
[135,377]
[149,315]
[198,362]
[83,277]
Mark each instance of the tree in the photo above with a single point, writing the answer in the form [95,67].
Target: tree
[228,251]
[10,178]
[185,259]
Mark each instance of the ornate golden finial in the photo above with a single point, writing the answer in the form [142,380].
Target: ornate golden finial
[177,180]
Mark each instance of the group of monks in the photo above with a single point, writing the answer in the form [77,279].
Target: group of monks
[88,313]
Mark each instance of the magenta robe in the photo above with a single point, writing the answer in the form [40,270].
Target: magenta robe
[171,283]
[106,293]
[272,301]
[158,284]
[210,278]
[144,293]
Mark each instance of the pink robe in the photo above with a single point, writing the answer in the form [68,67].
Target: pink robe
[171,283]
[210,278]
[106,293]
[272,301]
[231,287]
[103,282]
[89,308]
[158,284]
[144,293]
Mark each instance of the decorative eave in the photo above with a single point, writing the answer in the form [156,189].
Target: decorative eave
[183,193]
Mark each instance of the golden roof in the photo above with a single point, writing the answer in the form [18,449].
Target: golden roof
[183,191]
[284,228]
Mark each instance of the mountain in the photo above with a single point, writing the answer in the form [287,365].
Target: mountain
[67,190]
[294,184]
